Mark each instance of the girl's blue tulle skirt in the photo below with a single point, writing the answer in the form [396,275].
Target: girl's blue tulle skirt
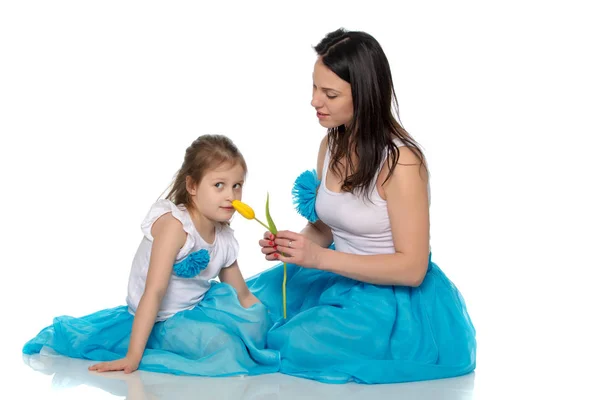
[218,337]
[340,330]
[337,330]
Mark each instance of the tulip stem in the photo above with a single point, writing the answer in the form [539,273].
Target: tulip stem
[283,290]
[260,222]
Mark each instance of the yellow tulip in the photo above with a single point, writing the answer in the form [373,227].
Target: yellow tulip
[244,209]
[247,212]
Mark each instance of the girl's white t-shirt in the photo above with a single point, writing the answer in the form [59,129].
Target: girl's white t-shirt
[183,293]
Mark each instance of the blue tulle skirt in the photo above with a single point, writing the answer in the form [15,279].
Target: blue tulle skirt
[339,330]
[218,337]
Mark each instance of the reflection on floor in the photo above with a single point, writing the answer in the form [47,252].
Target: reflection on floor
[69,372]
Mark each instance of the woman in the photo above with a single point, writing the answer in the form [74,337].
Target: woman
[365,302]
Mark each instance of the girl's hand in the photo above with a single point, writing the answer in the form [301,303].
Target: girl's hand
[127,365]
[266,245]
[249,300]
[294,248]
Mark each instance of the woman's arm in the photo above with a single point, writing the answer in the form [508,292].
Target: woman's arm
[169,238]
[319,233]
[408,209]
[316,232]
[233,276]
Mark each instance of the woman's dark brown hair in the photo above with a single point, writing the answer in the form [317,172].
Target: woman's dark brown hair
[357,58]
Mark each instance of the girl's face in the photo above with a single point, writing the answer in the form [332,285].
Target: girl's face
[331,97]
[218,187]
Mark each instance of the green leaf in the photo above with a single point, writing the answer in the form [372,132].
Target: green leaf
[272,227]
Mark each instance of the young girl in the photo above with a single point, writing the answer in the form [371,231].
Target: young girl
[177,319]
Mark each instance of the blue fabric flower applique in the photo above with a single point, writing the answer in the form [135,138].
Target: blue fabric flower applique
[193,264]
[304,194]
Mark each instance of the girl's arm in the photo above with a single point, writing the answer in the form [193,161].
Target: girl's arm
[169,238]
[408,208]
[233,276]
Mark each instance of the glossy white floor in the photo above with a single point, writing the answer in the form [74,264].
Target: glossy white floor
[57,377]
[71,380]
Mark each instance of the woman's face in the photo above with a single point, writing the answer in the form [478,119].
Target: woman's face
[332,97]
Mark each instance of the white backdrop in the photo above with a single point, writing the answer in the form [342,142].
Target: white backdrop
[98,101]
